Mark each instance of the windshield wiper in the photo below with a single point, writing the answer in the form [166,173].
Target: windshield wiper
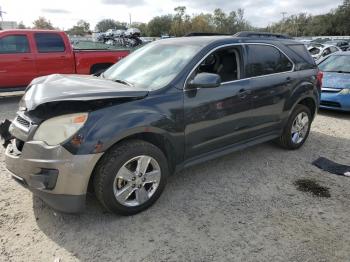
[123,82]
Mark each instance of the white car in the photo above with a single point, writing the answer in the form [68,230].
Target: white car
[319,51]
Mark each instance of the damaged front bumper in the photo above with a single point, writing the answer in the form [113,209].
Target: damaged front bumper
[54,174]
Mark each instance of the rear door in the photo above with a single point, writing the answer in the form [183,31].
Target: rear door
[53,54]
[17,66]
[271,77]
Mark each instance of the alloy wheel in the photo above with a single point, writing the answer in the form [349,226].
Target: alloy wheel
[300,128]
[136,181]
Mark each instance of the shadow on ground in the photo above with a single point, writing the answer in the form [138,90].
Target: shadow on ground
[241,206]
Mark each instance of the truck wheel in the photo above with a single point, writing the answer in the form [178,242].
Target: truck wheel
[297,128]
[130,177]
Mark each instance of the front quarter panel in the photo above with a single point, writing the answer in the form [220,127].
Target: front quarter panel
[160,114]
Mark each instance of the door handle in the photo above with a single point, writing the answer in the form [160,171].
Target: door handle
[26,59]
[288,79]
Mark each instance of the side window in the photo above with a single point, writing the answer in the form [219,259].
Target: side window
[224,62]
[326,52]
[265,60]
[49,42]
[333,49]
[13,44]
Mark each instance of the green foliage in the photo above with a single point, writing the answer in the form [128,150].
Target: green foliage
[81,28]
[180,23]
[106,24]
[159,25]
[42,23]
[336,22]
[21,25]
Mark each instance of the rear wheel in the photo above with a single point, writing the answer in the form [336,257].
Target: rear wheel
[297,128]
[131,177]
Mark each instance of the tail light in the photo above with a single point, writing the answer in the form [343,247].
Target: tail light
[319,79]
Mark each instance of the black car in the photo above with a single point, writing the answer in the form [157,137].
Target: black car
[169,105]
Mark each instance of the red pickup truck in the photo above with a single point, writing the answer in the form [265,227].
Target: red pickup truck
[27,54]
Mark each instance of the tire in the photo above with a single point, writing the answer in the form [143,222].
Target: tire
[119,176]
[288,139]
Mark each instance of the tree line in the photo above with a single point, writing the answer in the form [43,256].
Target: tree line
[335,22]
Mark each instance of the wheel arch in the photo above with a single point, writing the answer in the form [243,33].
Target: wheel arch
[157,139]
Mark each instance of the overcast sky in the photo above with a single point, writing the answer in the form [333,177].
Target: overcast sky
[65,13]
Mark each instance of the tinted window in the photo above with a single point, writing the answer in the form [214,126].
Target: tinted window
[14,44]
[333,49]
[49,42]
[301,52]
[265,60]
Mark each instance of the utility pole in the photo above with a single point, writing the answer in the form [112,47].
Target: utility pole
[283,17]
[130,19]
[1,13]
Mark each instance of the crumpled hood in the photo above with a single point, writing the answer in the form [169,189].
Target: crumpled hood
[336,80]
[54,88]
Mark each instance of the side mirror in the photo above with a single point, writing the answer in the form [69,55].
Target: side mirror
[205,80]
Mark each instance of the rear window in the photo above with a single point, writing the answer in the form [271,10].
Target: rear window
[265,60]
[49,42]
[301,51]
[13,44]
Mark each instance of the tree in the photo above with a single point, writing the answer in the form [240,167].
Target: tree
[106,24]
[21,25]
[202,23]
[81,28]
[181,22]
[160,25]
[220,21]
[42,23]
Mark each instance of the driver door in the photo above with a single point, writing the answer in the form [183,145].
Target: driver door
[217,117]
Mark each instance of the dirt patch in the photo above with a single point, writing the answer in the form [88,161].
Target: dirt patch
[311,186]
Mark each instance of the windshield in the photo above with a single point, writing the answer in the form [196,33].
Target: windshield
[336,63]
[153,66]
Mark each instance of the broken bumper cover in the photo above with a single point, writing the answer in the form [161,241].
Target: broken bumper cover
[59,178]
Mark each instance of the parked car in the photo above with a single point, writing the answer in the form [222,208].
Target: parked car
[342,44]
[336,82]
[169,105]
[27,54]
[319,51]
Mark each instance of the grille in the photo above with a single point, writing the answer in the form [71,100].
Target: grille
[330,103]
[23,121]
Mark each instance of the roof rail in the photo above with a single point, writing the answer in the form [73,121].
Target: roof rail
[262,35]
[204,34]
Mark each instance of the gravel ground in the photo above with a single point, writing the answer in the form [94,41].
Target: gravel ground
[241,207]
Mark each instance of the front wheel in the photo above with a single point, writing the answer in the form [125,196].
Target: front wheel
[131,177]
[297,128]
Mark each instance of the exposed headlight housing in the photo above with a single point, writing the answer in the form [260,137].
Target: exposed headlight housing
[345,91]
[58,129]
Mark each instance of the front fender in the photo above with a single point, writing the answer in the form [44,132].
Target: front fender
[106,127]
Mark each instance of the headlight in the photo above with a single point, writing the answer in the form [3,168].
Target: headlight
[345,91]
[58,129]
